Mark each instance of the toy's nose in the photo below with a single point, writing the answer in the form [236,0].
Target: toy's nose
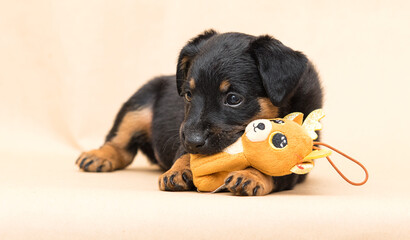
[258,130]
[260,126]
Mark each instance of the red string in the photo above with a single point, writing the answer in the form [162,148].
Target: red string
[346,156]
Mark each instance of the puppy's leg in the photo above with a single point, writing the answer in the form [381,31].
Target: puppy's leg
[179,177]
[249,182]
[121,144]
[131,130]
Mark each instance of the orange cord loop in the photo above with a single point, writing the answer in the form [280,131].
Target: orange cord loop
[346,156]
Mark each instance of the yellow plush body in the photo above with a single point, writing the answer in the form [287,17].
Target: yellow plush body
[276,147]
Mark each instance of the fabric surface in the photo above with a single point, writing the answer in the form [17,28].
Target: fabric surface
[67,66]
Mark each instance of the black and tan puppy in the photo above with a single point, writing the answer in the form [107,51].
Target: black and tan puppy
[223,82]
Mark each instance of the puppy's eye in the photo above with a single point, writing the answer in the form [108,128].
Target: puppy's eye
[277,121]
[279,140]
[188,96]
[233,99]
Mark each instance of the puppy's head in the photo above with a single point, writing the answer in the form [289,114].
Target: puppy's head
[228,80]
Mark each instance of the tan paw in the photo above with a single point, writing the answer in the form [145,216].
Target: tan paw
[91,162]
[105,159]
[176,180]
[248,183]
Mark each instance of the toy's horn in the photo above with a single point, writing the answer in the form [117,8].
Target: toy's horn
[311,123]
[303,168]
[307,163]
[296,117]
[319,153]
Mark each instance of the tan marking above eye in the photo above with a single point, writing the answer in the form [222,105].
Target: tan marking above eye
[267,109]
[192,83]
[224,86]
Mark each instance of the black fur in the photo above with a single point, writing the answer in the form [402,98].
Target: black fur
[256,67]
[187,54]
[280,67]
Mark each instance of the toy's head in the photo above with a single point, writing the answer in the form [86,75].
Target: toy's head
[276,147]
[279,147]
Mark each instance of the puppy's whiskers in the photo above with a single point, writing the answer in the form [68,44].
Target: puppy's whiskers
[172,138]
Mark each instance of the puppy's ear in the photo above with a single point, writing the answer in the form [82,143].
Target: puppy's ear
[279,66]
[188,53]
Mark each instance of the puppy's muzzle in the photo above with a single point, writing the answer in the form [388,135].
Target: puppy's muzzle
[194,141]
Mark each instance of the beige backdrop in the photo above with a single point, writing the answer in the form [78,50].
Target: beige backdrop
[67,66]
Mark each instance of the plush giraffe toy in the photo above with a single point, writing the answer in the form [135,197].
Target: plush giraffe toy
[276,147]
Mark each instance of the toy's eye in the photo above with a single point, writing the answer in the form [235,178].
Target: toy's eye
[279,140]
[277,121]
[258,130]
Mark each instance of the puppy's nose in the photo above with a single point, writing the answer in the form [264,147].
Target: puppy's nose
[195,141]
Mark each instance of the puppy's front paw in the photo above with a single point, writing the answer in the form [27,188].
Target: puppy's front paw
[176,180]
[248,183]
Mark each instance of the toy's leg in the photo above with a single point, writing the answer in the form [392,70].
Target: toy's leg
[179,177]
[249,182]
